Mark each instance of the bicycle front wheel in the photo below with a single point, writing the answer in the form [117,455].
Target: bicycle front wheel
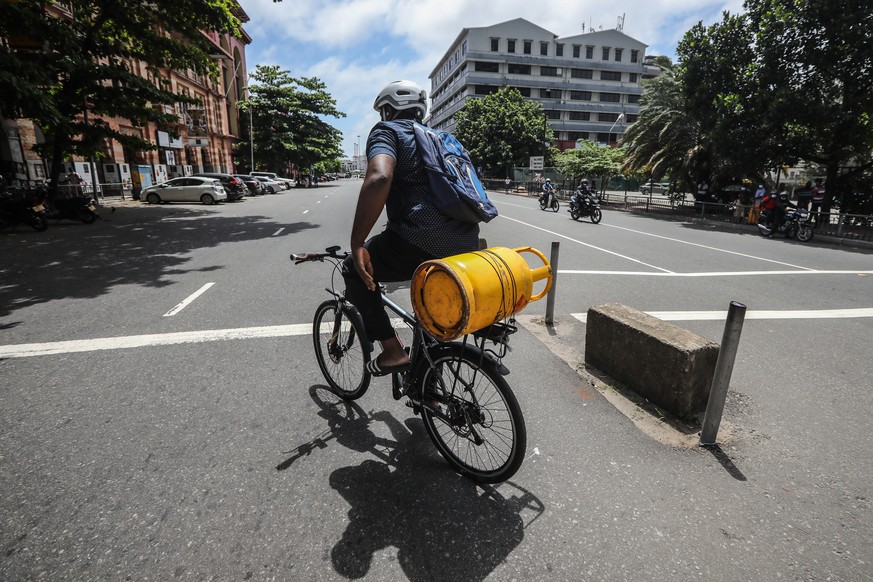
[339,349]
[479,428]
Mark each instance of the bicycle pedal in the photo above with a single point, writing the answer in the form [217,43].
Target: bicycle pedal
[414,405]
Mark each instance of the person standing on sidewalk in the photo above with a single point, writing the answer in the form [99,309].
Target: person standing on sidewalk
[417,231]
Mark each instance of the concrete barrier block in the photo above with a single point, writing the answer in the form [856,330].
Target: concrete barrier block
[670,366]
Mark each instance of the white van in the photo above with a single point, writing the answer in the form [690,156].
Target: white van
[273,176]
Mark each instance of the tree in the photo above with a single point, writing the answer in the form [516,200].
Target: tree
[817,55]
[287,120]
[67,74]
[666,139]
[503,130]
[591,160]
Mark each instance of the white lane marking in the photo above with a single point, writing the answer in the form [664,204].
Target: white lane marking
[763,314]
[158,339]
[305,211]
[188,300]
[318,201]
[587,245]
[713,273]
[744,255]
[278,232]
[682,242]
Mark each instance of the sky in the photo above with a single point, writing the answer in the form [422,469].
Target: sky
[356,47]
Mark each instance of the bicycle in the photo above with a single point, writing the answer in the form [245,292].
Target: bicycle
[458,387]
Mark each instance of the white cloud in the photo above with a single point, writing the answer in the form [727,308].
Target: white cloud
[351,45]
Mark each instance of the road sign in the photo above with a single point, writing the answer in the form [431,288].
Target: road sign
[536,162]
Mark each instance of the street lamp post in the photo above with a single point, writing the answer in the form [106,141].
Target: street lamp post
[609,135]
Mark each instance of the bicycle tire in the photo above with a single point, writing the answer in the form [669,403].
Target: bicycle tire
[503,431]
[342,362]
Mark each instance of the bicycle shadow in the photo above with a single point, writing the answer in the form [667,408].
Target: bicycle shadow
[444,526]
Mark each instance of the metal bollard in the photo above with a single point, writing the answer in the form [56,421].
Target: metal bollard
[550,298]
[721,379]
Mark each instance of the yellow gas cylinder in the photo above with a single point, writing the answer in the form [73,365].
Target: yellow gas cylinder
[464,293]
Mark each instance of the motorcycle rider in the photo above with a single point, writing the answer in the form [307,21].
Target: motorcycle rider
[548,192]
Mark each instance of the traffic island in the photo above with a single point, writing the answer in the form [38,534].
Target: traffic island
[668,366]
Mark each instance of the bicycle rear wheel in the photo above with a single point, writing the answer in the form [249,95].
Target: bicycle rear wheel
[479,430]
[340,351]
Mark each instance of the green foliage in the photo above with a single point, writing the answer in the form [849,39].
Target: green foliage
[55,69]
[503,130]
[591,160]
[287,119]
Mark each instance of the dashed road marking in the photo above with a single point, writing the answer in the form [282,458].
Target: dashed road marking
[188,300]
[278,232]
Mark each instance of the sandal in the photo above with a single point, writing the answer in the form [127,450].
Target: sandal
[376,370]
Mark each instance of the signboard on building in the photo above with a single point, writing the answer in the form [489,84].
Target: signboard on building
[536,162]
[165,141]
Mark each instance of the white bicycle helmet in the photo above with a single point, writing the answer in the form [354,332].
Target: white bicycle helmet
[399,96]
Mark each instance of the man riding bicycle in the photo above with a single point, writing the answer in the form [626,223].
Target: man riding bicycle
[416,230]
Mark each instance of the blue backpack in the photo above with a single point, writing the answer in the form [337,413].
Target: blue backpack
[457,191]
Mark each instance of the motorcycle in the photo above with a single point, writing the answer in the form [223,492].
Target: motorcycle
[75,207]
[21,207]
[554,205]
[797,224]
[585,204]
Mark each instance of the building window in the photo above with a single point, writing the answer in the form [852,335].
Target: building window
[610,97]
[516,69]
[495,45]
[549,72]
[608,117]
[577,135]
[589,52]
[559,49]
[510,45]
[633,98]
[550,93]
[464,48]
[603,137]
[551,114]
[635,55]
[576,49]
[486,89]
[618,52]
[544,49]
[610,76]
[580,116]
[580,95]
[632,77]
[632,118]
[527,45]
[525,91]
[582,73]
[486,67]
[605,53]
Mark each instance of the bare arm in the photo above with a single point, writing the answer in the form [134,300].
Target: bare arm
[371,201]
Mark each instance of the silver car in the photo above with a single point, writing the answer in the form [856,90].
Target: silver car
[272,186]
[186,189]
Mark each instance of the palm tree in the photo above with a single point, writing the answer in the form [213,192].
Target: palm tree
[665,139]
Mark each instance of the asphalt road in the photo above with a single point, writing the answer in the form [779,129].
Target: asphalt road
[148,432]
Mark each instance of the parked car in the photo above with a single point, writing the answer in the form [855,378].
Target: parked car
[234,187]
[255,186]
[272,186]
[655,188]
[186,189]
[285,182]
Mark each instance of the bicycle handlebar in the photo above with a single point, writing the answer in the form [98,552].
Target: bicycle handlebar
[330,253]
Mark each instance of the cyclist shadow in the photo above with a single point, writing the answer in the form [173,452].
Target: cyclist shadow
[444,526]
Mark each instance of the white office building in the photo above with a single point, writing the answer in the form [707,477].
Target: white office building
[588,84]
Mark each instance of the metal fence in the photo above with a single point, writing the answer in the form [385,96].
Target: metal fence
[846,226]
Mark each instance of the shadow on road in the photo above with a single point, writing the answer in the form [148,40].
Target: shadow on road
[444,526]
[141,246]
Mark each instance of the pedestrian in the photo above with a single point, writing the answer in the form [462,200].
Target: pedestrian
[75,182]
[508,183]
[417,231]
[755,211]
[818,195]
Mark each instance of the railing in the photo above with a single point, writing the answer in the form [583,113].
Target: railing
[846,226]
